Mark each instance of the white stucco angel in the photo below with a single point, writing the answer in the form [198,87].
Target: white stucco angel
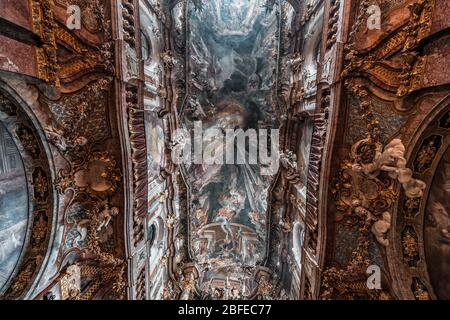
[381,227]
[106,215]
[392,161]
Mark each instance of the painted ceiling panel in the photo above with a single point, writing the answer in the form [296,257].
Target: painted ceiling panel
[13,206]
[232,72]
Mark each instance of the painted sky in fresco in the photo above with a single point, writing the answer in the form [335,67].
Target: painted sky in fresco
[232,66]
[13,206]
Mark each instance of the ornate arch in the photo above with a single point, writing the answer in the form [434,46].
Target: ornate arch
[407,256]
[23,127]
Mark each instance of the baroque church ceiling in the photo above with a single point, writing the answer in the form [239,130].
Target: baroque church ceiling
[224,150]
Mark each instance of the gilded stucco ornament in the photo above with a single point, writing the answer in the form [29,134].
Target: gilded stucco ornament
[43,24]
[104,266]
[350,282]
[71,283]
[413,65]
[269,286]
[419,290]
[377,63]
[98,176]
[410,246]
[97,214]
[366,189]
[90,12]
[88,58]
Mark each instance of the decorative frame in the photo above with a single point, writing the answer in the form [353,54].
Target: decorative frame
[35,152]
[410,272]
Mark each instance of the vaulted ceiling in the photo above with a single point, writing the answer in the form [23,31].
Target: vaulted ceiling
[229,149]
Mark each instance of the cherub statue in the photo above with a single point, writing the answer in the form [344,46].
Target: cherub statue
[381,227]
[366,156]
[106,215]
[365,214]
[392,158]
[178,139]
[392,161]
[299,94]
[413,187]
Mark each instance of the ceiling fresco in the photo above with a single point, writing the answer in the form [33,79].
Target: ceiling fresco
[13,205]
[232,74]
[224,150]
[437,229]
